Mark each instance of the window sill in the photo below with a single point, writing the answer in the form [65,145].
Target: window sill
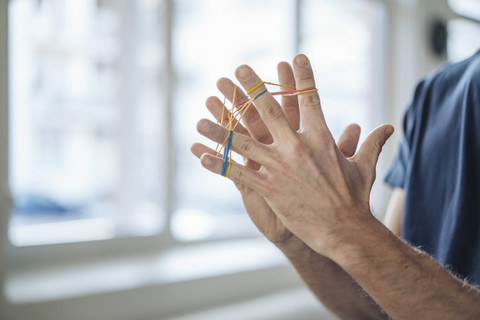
[178,280]
[286,305]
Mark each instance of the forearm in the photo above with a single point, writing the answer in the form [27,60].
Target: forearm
[330,283]
[406,283]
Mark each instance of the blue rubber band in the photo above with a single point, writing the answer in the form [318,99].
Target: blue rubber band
[225,154]
[258,95]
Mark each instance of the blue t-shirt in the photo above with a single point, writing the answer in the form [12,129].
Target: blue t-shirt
[438,166]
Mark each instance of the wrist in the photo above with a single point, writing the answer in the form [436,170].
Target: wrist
[354,243]
[292,246]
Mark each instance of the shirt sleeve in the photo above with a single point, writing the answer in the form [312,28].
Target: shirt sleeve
[395,176]
[397,172]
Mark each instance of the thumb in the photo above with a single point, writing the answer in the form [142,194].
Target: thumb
[371,148]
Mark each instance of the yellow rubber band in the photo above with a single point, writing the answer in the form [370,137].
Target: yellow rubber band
[233,116]
[258,85]
[228,168]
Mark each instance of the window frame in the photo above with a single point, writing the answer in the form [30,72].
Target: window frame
[5,200]
[26,260]
[60,252]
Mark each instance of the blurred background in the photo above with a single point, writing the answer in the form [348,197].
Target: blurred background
[105,212]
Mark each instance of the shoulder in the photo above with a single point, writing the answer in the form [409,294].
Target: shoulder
[450,77]
[442,94]
[449,83]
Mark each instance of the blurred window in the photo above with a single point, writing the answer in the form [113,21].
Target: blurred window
[344,41]
[87,119]
[467,8]
[105,96]
[340,37]
[464,30]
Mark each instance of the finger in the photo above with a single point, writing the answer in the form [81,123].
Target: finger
[215,107]
[237,173]
[251,118]
[198,149]
[221,114]
[348,141]
[243,145]
[371,148]
[311,114]
[268,108]
[289,103]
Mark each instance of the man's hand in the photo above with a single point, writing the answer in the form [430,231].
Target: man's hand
[259,211]
[317,193]
[322,197]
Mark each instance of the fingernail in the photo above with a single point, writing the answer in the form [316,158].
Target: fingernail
[244,72]
[203,127]
[302,60]
[389,131]
[207,162]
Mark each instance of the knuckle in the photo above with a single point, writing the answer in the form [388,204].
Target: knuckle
[240,175]
[263,183]
[289,108]
[299,151]
[273,112]
[304,77]
[267,188]
[311,100]
[305,153]
[265,137]
[252,119]
[326,138]
[244,146]
[299,148]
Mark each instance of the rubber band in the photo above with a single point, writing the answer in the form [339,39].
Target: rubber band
[225,164]
[294,92]
[228,168]
[258,85]
[226,156]
[230,118]
[258,95]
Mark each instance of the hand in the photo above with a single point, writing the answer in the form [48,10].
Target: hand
[259,211]
[317,193]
